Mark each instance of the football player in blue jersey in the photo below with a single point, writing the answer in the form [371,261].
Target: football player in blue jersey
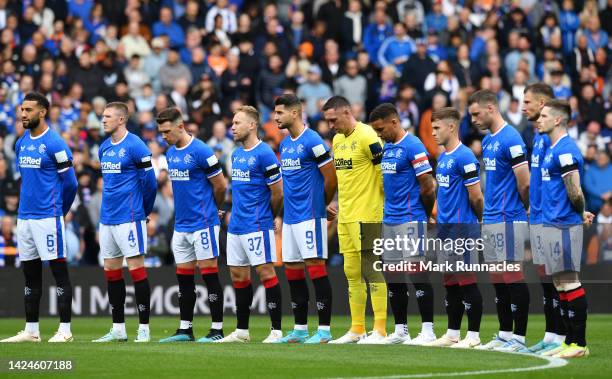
[257,198]
[409,199]
[128,195]
[505,226]
[198,187]
[309,185]
[48,188]
[536,95]
[460,208]
[563,216]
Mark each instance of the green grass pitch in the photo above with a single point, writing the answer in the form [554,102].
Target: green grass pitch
[256,360]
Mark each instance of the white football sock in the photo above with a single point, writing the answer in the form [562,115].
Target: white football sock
[119,327]
[32,328]
[549,337]
[473,335]
[64,327]
[186,324]
[427,328]
[451,333]
[401,329]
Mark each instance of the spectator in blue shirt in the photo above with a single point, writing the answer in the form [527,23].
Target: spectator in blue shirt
[167,26]
[561,91]
[598,181]
[396,49]
[595,35]
[80,8]
[375,34]
[436,20]
[569,23]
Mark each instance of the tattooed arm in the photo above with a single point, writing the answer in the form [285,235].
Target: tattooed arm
[574,192]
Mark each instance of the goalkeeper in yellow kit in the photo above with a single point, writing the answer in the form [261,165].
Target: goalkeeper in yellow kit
[357,156]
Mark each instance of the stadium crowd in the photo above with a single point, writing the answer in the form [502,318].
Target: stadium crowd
[210,57]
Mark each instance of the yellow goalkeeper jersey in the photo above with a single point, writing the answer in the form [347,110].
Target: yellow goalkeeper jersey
[360,189]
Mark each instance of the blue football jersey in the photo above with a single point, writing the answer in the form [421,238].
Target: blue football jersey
[189,169]
[303,183]
[122,194]
[40,161]
[456,170]
[402,163]
[561,159]
[540,144]
[253,171]
[502,152]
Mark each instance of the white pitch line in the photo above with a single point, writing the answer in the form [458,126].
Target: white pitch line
[552,363]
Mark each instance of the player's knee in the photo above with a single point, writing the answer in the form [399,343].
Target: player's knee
[240,274]
[314,261]
[207,263]
[135,262]
[294,265]
[111,264]
[266,272]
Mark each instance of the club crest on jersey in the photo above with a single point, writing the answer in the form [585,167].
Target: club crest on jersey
[300,149]
[251,161]
[42,148]
[188,159]
[541,144]
[398,153]
[496,146]
[121,153]
[450,163]
[353,145]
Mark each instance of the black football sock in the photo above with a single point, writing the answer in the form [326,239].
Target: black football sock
[32,271]
[502,303]
[519,297]
[323,292]
[454,306]
[215,293]
[398,297]
[187,293]
[116,294]
[244,298]
[299,294]
[142,291]
[59,268]
[472,301]
[274,301]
